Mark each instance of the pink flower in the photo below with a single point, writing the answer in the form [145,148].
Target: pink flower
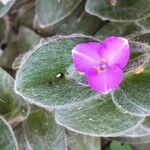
[103,62]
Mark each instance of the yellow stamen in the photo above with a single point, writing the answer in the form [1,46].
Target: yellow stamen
[98,70]
[139,69]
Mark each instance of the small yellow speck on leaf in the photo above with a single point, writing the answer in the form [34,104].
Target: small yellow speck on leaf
[139,69]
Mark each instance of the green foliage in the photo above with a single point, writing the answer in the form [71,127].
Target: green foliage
[7,138]
[146,123]
[138,135]
[25,40]
[77,21]
[50,12]
[145,22]
[142,38]
[2,29]
[44,88]
[133,94]
[81,142]
[117,28]
[48,79]
[96,118]
[120,10]
[40,131]
[11,105]
[41,85]
[118,146]
[5,8]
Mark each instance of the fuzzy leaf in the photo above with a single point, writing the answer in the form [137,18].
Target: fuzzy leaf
[96,118]
[5,8]
[26,39]
[41,85]
[137,46]
[146,123]
[137,62]
[144,38]
[136,135]
[26,13]
[117,28]
[81,142]
[40,132]
[133,95]
[2,29]
[50,12]
[76,22]
[145,23]
[123,10]
[7,138]
[11,105]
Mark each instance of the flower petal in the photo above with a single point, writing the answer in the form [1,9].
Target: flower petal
[86,56]
[105,82]
[116,50]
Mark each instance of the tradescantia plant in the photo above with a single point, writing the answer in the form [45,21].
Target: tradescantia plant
[85,88]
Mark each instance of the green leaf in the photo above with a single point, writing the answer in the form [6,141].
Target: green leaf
[137,135]
[78,141]
[141,146]
[40,132]
[145,22]
[146,123]
[144,38]
[133,95]
[26,13]
[124,10]
[5,8]
[137,61]
[76,22]
[135,55]
[50,12]
[96,118]
[41,85]
[117,28]
[115,145]
[136,46]
[11,105]
[139,56]
[2,29]
[25,40]
[7,138]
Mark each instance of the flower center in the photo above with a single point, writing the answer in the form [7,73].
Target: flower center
[102,66]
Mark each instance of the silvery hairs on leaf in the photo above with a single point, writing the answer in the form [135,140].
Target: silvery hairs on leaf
[51,47]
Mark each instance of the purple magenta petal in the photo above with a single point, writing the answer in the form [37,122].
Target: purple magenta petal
[116,51]
[86,56]
[107,81]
